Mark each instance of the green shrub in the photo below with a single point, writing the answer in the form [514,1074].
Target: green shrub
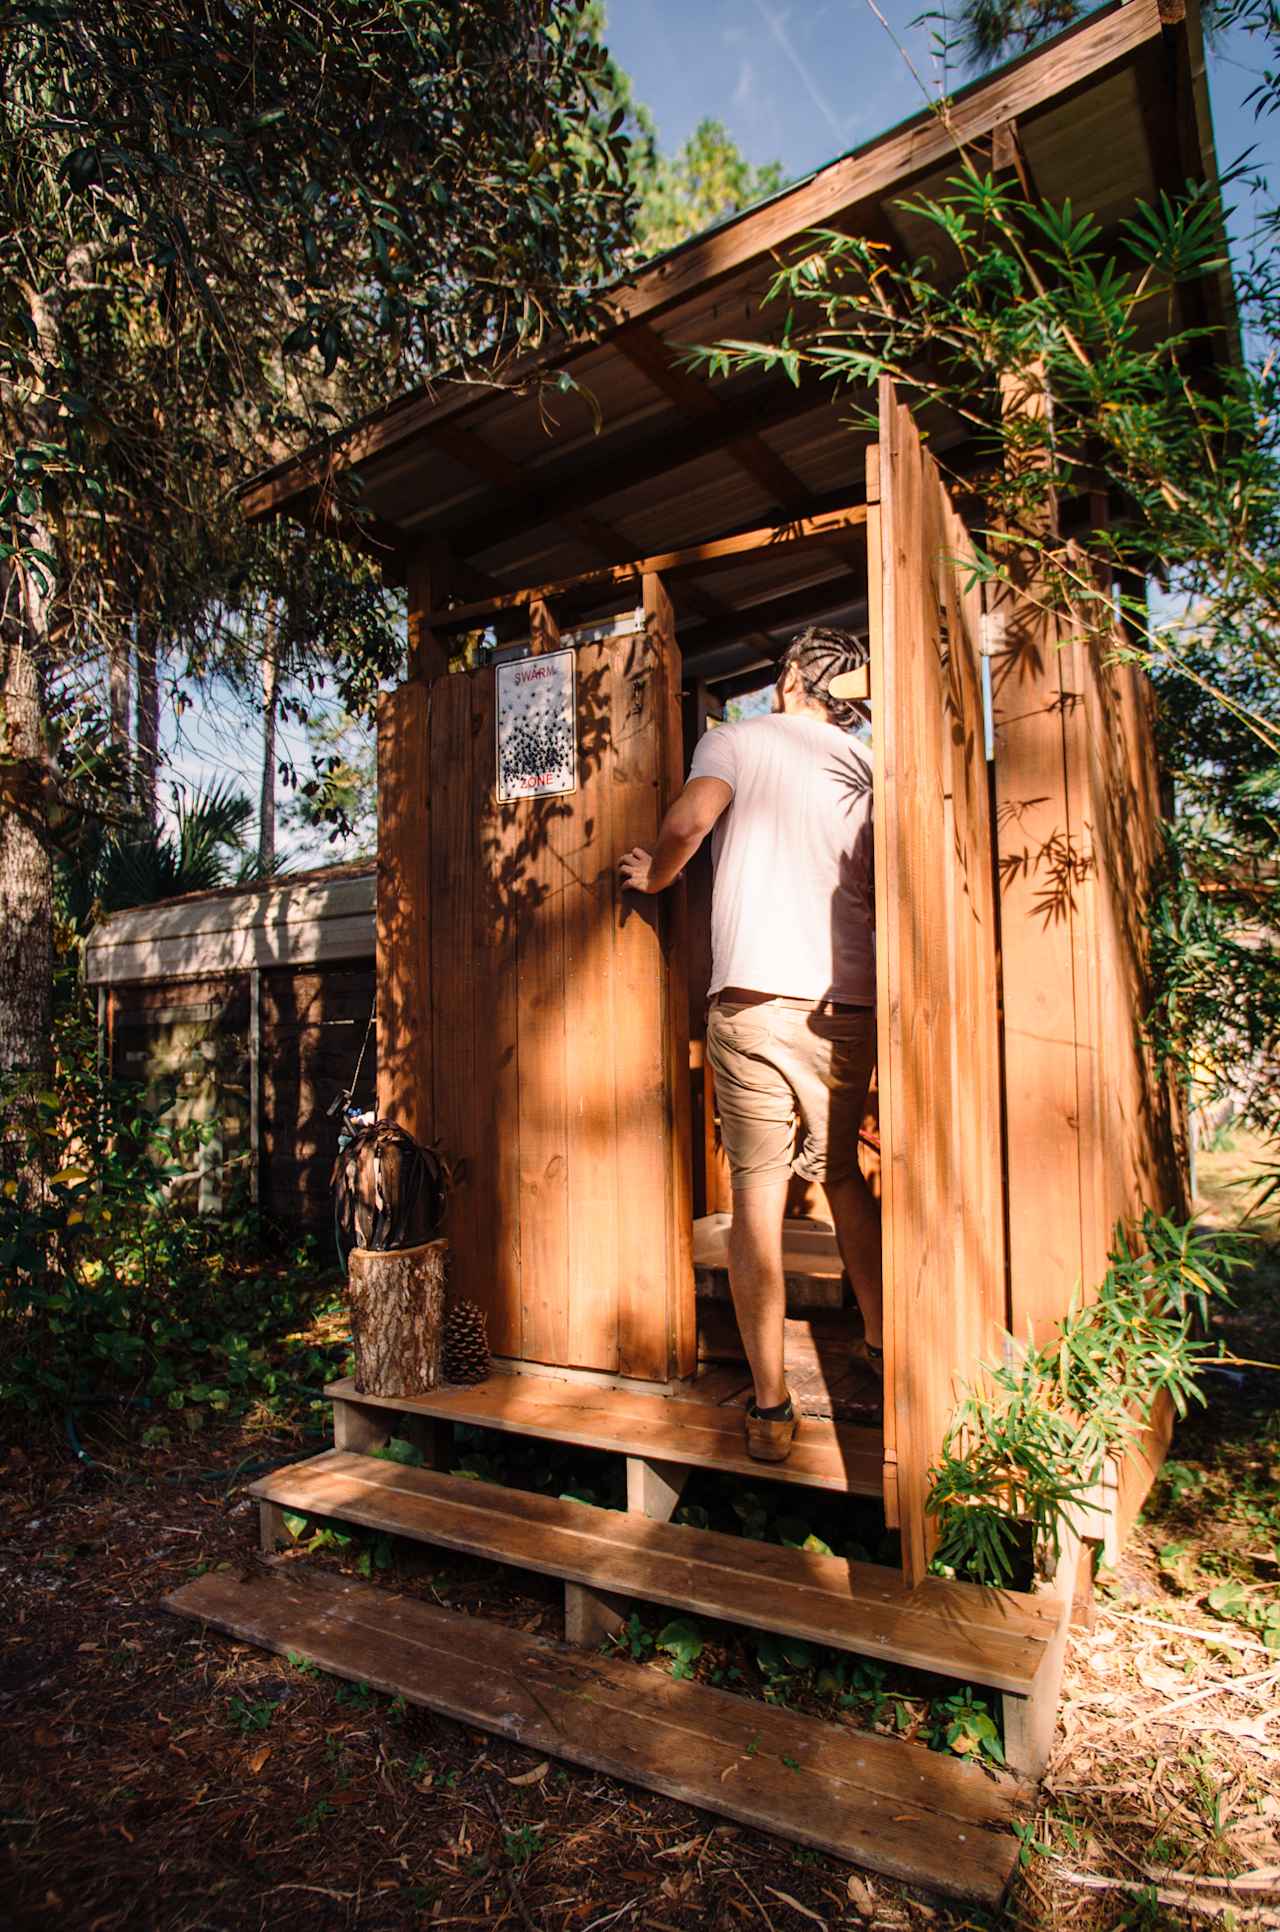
[106,1287]
[1031,1439]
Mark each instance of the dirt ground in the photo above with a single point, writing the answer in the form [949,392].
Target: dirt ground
[152,1778]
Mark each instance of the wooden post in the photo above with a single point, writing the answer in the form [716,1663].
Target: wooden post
[654,1488]
[397,1318]
[271,1529]
[1031,1722]
[361,1427]
[592,1616]
[660,625]
[544,632]
[428,584]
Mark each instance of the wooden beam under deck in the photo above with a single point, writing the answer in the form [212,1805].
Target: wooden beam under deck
[549,492]
[647,352]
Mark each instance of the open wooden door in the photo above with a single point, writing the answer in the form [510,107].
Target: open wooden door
[546,1046]
[937,966]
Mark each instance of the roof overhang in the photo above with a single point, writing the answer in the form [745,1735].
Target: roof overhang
[507,484]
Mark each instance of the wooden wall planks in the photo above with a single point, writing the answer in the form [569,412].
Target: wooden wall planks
[643,1103]
[1094,1128]
[491,958]
[938,1011]
[682,1340]
[593,1020]
[556,1012]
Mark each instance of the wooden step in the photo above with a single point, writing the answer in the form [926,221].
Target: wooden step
[676,1429]
[890,1806]
[808,1247]
[977,1636]
[811,1266]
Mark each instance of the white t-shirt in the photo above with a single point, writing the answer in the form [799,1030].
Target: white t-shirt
[793,905]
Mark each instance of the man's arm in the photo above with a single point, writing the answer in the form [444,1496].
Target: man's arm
[682,832]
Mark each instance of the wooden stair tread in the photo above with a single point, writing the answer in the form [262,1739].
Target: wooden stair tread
[984,1637]
[698,1434]
[879,1802]
[806,1249]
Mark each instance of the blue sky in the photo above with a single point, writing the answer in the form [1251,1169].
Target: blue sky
[801,81]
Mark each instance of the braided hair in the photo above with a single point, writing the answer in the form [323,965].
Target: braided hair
[817,654]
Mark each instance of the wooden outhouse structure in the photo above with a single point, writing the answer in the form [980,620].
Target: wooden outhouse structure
[672,533]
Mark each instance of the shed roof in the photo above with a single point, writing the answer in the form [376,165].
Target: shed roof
[646,457]
[299,919]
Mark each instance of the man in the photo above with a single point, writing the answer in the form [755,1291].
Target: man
[791,1024]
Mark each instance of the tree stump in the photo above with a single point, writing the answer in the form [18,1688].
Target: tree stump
[396,1301]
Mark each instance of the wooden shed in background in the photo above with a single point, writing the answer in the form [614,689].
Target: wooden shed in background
[547,1028]
[244,1010]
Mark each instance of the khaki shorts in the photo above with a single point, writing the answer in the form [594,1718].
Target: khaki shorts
[779,1069]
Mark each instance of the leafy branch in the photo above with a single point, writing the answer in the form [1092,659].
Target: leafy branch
[1032,1439]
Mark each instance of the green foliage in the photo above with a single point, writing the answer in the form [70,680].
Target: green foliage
[965,1725]
[704,182]
[681,1639]
[251,1717]
[1234,1603]
[522,1844]
[383,189]
[781,1660]
[1032,1438]
[108,1287]
[635,1638]
[341,791]
[682,194]
[987,31]
[139,864]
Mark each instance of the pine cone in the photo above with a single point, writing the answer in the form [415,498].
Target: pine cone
[466,1343]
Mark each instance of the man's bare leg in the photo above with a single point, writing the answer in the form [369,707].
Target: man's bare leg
[856,1214]
[759,1291]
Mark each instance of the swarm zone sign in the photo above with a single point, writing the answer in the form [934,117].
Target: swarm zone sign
[537,731]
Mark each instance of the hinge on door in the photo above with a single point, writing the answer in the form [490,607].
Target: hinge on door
[990,640]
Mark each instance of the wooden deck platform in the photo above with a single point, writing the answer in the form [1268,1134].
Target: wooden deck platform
[977,1636]
[691,1432]
[825,1376]
[890,1806]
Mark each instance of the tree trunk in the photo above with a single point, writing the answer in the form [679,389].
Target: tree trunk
[396,1301]
[26,871]
[118,684]
[270,707]
[147,727]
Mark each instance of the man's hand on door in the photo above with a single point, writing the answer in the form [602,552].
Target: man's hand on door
[636,868]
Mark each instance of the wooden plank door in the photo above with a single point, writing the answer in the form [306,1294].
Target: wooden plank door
[553,1062]
[937,962]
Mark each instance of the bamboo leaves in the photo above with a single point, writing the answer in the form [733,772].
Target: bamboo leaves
[1032,1438]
